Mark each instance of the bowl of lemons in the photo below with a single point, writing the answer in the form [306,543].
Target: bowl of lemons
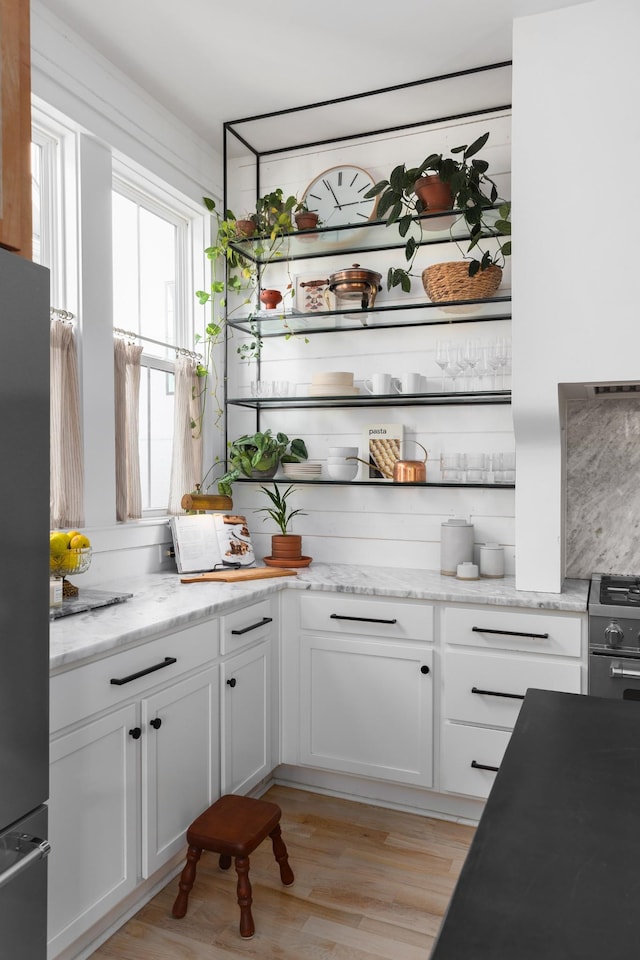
[69,553]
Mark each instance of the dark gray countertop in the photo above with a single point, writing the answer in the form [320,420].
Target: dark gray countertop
[553,872]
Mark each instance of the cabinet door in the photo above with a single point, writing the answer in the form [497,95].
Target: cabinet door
[180,763]
[92,824]
[367,708]
[246,719]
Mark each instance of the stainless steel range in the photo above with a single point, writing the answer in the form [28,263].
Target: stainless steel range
[614,636]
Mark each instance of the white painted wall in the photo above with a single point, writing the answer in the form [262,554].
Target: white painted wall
[576,128]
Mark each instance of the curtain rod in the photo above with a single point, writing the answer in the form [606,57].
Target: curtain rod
[57,314]
[159,343]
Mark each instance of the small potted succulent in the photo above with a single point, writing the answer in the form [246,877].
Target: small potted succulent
[286,547]
[258,456]
[472,192]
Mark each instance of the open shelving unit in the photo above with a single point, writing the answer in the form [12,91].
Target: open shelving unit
[348,119]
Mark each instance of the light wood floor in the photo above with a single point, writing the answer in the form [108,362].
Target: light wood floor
[370,883]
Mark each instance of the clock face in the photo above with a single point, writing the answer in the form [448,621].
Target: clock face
[337,196]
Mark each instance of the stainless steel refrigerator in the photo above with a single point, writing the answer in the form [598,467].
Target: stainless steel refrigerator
[24,606]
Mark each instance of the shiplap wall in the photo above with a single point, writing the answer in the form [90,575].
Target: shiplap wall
[361,524]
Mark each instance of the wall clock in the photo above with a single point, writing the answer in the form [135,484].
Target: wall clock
[337,195]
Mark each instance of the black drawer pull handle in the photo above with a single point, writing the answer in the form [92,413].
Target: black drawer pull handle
[511,633]
[119,681]
[136,733]
[424,668]
[232,682]
[156,723]
[254,626]
[483,766]
[339,616]
[497,693]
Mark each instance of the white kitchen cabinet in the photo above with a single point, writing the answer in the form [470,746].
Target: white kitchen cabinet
[366,708]
[248,686]
[92,824]
[491,656]
[129,776]
[245,683]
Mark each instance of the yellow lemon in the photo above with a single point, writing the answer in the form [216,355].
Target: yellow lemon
[58,542]
[71,534]
[80,542]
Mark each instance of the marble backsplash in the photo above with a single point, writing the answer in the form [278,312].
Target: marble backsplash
[602,529]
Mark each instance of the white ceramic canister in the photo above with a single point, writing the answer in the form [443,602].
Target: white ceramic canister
[492,560]
[456,545]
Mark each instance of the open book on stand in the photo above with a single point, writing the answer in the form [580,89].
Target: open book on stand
[203,541]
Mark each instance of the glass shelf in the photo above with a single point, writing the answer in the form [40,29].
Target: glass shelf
[379,483]
[411,314]
[361,238]
[476,397]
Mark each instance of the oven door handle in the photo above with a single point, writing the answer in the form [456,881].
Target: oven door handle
[616,672]
[30,848]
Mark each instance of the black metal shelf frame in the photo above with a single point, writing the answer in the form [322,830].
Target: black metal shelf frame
[264,136]
[381,483]
[470,398]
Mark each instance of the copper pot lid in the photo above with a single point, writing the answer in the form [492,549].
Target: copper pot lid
[355,275]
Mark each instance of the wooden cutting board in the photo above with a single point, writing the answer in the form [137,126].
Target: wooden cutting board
[231,576]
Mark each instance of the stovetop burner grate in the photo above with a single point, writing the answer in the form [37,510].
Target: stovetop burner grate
[620,591]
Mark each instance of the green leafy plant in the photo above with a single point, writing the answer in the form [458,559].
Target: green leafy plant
[474,195]
[280,512]
[259,452]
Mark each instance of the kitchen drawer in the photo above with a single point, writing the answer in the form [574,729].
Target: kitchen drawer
[492,678]
[88,690]
[461,748]
[367,616]
[509,629]
[246,626]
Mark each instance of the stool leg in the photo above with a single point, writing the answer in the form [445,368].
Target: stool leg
[187,878]
[224,862]
[281,855]
[247,928]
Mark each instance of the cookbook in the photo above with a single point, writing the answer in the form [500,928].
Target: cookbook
[204,541]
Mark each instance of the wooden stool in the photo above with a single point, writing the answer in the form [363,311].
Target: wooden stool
[233,827]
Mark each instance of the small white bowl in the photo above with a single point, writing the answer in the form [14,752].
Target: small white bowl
[342,471]
[343,451]
[467,571]
[340,459]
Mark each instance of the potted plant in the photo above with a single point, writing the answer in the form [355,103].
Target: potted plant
[473,193]
[258,457]
[286,547]
[305,219]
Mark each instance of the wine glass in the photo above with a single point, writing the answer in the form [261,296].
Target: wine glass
[455,365]
[442,357]
[472,354]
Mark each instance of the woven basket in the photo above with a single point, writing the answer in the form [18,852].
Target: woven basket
[451,281]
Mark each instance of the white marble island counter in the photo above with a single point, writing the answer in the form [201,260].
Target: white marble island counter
[161,603]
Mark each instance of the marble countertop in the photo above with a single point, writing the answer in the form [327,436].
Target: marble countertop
[161,603]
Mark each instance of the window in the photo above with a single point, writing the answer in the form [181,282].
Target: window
[149,251]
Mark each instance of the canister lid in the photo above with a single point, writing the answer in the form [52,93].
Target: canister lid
[455,522]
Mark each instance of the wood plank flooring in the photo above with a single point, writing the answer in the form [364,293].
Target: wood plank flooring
[371,884]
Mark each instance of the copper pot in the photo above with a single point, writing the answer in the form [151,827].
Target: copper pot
[356,283]
[411,471]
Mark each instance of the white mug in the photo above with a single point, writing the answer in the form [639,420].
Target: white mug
[408,383]
[379,383]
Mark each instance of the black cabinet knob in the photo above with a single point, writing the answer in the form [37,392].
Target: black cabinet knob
[424,669]
[156,723]
[136,733]
[232,682]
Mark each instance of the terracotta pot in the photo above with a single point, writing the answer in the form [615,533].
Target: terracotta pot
[306,221]
[286,546]
[435,194]
[270,298]
[245,228]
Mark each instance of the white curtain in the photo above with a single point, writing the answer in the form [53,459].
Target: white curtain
[186,460]
[127,395]
[67,468]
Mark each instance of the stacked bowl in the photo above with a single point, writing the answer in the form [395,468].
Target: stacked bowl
[338,466]
[333,383]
